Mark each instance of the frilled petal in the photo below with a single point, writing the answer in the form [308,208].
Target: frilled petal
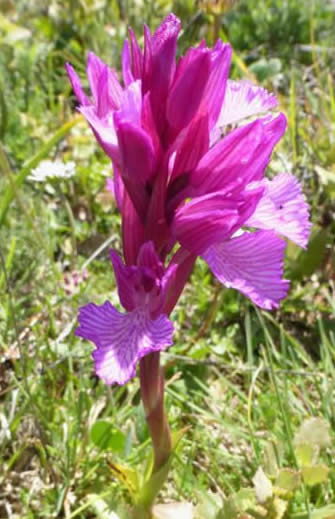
[121,339]
[283,209]
[253,264]
[239,158]
[76,85]
[187,90]
[212,218]
[242,100]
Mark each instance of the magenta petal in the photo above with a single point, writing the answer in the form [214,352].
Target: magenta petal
[121,339]
[136,56]
[103,130]
[252,264]
[216,86]
[240,157]
[147,257]
[242,100]
[160,56]
[132,230]
[125,281]
[206,220]
[193,147]
[76,86]
[136,151]
[182,264]
[283,208]
[95,67]
[187,91]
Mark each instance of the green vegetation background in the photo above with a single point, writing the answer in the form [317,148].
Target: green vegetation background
[242,379]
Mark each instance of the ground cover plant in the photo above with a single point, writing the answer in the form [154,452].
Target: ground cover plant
[256,388]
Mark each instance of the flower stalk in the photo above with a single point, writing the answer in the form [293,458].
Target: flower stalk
[152,393]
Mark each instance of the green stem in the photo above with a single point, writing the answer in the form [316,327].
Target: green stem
[152,393]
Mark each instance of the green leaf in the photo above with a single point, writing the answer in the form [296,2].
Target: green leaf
[314,431]
[263,486]
[306,453]
[315,474]
[288,479]
[311,259]
[127,476]
[106,437]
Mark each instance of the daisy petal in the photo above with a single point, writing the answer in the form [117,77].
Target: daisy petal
[121,339]
[252,264]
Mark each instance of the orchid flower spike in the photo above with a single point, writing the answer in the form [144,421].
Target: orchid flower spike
[190,149]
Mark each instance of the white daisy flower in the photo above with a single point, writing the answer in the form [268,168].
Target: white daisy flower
[52,169]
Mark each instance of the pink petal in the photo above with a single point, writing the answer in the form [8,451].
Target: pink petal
[187,91]
[161,65]
[103,130]
[193,147]
[126,64]
[136,151]
[216,86]
[76,85]
[212,218]
[183,262]
[131,104]
[121,339]
[239,158]
[136,56]
[148,258]
[118,188]
[125,280]
[132,230]
[242,100]
[95,67]
[283,208]
[252,264]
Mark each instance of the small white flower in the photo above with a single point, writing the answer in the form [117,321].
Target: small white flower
[52,169]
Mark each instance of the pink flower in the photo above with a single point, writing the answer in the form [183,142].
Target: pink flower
[182,179]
